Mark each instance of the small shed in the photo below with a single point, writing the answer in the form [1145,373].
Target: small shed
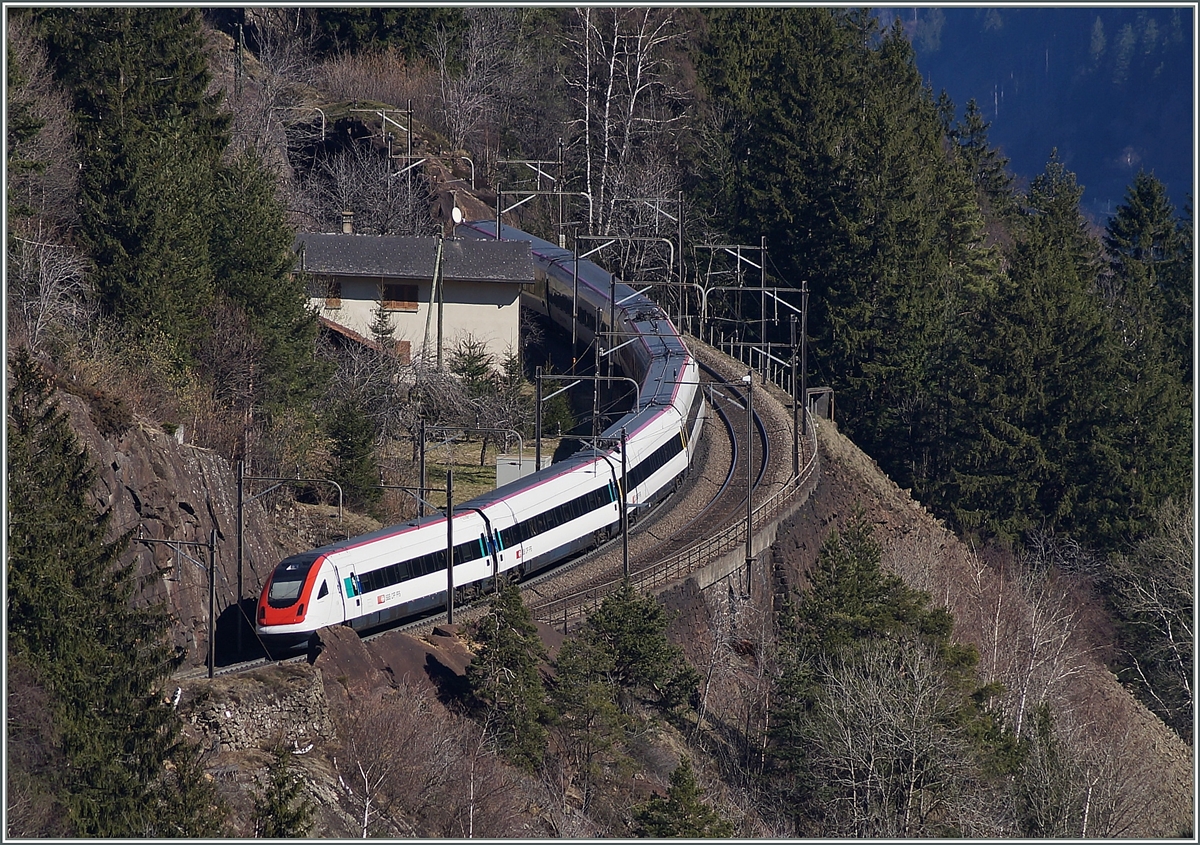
[430,289]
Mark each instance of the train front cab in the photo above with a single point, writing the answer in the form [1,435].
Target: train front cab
[301,596]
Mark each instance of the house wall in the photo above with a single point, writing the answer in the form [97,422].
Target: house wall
[490,312]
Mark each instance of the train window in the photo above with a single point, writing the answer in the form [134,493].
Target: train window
[287,581]
[324,590]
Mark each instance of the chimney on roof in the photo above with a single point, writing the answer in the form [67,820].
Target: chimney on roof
[347,222]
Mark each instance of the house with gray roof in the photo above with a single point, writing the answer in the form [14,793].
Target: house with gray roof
[429,288]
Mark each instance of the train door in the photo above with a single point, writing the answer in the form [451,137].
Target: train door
[352,590]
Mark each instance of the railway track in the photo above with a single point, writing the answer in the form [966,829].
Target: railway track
[713,501]
[706,516]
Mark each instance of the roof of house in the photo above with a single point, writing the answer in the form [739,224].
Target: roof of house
[463,260]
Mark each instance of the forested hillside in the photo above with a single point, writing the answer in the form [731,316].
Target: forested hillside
[1025,372]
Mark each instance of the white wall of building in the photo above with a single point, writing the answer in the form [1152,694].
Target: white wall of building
[488,312]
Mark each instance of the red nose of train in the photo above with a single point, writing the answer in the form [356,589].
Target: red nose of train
[287,593]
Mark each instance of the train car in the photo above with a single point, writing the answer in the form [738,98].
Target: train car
[533,522]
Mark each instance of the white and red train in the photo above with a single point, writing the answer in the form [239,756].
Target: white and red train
[534,522]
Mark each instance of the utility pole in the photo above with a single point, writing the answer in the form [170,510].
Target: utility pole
[574,298]
[804,355]
[241,513]
[440,285]
[211,545]
[562,235]
[421,491]
[795,409]
[449,547]
[537,412]
[624,508]
[749,380]
[596,388]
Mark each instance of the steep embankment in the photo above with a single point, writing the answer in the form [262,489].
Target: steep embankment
[1033,635]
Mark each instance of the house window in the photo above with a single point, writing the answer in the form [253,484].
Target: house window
[397,297]
[333,293]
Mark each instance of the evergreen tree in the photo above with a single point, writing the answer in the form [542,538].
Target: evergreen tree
[101,660]
[472,363]
[409,29]
[21,125]
[878,721]
[1150,266]
[1042,453]
[987,166]
[681,813]
[1050,788]
[583,699]
[252,262]
[504,680]
[281,811]
[1153,593]
[353,453]
[837,158]
[382,330]
[632,629]
[151,137]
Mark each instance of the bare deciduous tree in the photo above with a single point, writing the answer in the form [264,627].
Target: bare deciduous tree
[44,182]
[363,181]
[375,745]
[48,291]
[627,108]
[490,60]
[1156,586]
[884,739]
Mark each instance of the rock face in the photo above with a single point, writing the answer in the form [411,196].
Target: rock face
[169,494]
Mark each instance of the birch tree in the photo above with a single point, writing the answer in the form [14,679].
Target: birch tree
[479,75]
[626,108]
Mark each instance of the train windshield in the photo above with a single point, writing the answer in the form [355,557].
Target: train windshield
[288,580]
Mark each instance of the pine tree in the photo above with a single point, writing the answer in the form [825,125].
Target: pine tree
[877,716]
[987,165]
[70,614]
[353,453]
[281,811]
[21,125]
[252,261]
[504,680]
[382,330]
[583,699]
[853,599]
[1147,258]
[151,136]
[1043,452]
[632,628]
[1049,789]
[472,363]
[681,813]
